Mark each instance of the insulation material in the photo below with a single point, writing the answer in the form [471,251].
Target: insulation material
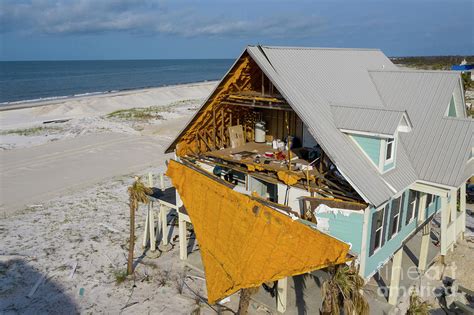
[244,242]
[187,143]
[288,177]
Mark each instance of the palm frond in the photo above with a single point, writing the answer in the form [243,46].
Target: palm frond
[344,289]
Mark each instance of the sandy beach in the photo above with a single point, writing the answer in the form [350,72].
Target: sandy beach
[64,206]
[90,144]
[64,212]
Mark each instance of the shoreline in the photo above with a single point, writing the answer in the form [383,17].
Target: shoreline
[31,114]
[56,100]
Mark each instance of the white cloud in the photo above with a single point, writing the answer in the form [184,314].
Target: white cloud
[144,17]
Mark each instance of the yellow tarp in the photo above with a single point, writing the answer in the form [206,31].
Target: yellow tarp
[243,242]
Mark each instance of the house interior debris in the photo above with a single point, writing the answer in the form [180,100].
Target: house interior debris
[247,127]
[370,192]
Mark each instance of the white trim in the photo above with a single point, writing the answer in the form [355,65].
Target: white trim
[383,150]
[390,186]
[437,185]
[353,186]
[366,133]
[382,227]
[408,126]
[428,189]
[364,253]
[401,196]
[463,97]
[392,153]
[415,204]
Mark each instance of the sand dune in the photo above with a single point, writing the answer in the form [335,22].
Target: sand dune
[26,114]
[46,161]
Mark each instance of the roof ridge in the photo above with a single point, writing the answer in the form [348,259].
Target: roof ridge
[415,71]
[316,48]
[387,109]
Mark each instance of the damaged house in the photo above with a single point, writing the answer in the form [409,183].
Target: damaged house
[306,157]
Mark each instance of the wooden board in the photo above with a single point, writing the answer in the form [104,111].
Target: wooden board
[236,136]
[314,202]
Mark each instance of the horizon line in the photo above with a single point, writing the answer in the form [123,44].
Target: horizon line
[154,59]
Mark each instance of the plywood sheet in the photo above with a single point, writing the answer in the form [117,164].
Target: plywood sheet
[236,136]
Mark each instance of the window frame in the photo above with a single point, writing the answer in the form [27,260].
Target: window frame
[412,204]
[381,228]
[394,229]
[429,197]
[389,142]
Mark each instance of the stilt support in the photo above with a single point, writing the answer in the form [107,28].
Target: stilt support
[425,242]
[183,243]
[462,204]
[282,292]
[395,279]
[444,226]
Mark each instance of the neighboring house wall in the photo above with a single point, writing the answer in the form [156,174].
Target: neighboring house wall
[390,245]
[346,225]
[370,146]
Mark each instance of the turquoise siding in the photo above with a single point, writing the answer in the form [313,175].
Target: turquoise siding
[452,108]
[381,255]
[370,145]
[435,206]
[346,227]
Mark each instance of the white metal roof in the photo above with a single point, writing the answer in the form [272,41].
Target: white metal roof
[319,82]
[311,80]
[373,120]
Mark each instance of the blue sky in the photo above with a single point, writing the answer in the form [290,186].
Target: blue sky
[148,29]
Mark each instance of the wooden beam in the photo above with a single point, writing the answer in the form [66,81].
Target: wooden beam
[222,127]
[204,140]
[274,107]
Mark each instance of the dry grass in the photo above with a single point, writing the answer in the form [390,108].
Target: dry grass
[120,276]
[33,131]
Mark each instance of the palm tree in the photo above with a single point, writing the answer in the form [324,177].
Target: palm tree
[244,302]
[137,193]
[343,291]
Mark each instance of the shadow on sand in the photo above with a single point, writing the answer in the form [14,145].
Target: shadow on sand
[17,278]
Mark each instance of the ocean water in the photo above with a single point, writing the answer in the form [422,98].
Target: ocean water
[35,80]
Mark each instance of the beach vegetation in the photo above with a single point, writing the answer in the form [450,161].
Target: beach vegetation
[33,131]
[417,305]
[149,113]
[430,62]
[120,276]
[344,291]
[141,114]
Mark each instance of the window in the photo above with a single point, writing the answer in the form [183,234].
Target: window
[389,149]
[377,230]
[412,203]
[429,200]
[397,204]
[379,226]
